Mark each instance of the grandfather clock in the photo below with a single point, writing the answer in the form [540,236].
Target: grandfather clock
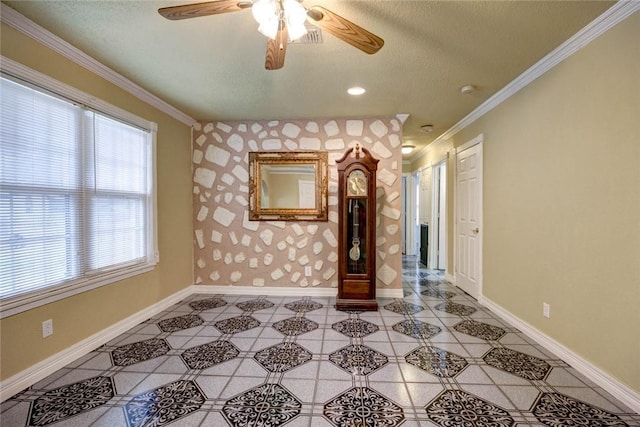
[357,230]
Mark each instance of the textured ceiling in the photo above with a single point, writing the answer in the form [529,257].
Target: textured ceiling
[213,67]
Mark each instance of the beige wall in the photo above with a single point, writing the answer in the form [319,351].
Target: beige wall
[230,250]
[78,317]
[562,202]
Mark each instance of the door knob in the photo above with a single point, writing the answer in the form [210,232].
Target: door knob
[476,230]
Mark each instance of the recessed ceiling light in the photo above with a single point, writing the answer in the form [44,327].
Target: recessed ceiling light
[356,90]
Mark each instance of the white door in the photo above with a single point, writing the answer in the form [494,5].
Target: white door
[468,243]
[442,215]
[417,201]
[438,229]
[411,231]
[404,214]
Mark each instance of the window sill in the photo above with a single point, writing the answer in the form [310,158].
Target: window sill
[19,304]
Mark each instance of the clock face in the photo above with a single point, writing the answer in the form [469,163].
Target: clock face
[357,184]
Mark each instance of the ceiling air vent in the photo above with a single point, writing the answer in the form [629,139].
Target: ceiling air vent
[313,36]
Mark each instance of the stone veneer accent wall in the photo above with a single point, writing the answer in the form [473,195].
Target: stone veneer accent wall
[231,250]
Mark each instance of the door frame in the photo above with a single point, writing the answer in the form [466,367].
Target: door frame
[409,214]
[479,141]
[438,230]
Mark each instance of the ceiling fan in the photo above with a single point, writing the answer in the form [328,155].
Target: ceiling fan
[281,20]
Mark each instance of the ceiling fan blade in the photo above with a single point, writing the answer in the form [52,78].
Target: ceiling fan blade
[345,30]
[195,10]
[277,49]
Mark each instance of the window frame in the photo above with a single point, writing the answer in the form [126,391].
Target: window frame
[39,81]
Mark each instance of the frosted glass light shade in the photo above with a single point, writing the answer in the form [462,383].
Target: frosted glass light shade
[267,13]
[407,149]
[296,16]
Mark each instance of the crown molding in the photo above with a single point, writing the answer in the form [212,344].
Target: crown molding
[611,17]
[21,23]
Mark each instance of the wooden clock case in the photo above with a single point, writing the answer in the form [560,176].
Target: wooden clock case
[357,218]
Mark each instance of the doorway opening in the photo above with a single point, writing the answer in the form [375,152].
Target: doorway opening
[425,215]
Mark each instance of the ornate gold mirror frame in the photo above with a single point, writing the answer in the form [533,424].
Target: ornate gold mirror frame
[288,186]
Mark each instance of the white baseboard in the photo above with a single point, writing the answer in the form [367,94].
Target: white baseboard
[620,391]
[450,278]
[258,290]
[292,292]
[389,293]
[15,384]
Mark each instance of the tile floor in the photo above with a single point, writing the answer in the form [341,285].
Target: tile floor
[433,358]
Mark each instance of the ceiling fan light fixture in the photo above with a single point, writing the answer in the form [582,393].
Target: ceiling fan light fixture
[280,20]
[268,14]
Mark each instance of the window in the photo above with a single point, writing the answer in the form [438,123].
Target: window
[77,203]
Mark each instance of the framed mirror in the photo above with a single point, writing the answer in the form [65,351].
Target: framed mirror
[288,186]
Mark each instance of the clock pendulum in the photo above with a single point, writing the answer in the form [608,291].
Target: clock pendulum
[354,252]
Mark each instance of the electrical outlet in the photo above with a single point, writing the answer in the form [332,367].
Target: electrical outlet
[307,271]
[546,310]
[47,328]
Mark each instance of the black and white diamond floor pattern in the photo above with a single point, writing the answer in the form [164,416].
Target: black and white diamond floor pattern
[432,358]
[64,402]
[164,404]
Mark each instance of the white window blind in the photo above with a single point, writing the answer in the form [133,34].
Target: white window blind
[76,196]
